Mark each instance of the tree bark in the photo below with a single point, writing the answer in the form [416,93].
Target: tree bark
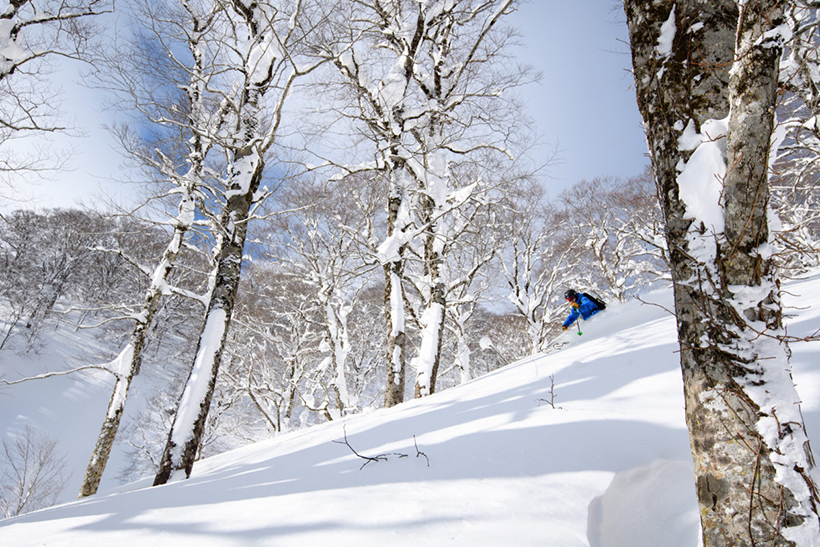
[688,71]
[267,67]
[394,315]
[188,185]
[435,305]
[124,376]
[394,305]
[189,422]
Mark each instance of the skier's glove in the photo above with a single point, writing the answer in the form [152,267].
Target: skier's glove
[563,328]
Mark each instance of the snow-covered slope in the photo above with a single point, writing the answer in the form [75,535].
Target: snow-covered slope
[488,463]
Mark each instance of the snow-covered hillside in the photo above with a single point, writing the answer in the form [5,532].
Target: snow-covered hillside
[488,463]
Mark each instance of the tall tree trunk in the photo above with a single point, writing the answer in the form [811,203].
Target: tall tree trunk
[267,64]
[394,315]
[188,185]
[750,464]
[189,422]
[337,338]
[394,294]
[129,362]
[429,356]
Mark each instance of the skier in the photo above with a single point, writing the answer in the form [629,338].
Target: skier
[580,305]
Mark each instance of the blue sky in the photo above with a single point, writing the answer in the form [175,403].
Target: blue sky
[585,102]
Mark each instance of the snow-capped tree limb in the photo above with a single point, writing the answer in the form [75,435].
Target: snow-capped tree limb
[45,375]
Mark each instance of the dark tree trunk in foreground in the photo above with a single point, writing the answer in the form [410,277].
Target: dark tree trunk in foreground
[694,63]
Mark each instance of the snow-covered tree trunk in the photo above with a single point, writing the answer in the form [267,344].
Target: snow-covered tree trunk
[383,107]
[265,65]
[429,357]
[418,73]
[435,297]
[187,187]
[192,412]
[336,333]
[708,130]
[461,314]
[127,365]
[452,48]
[394,305]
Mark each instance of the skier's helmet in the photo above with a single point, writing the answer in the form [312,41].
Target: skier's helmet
[571,295]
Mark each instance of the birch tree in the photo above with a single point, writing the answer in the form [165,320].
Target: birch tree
[795,192]
[380,81]
[43,258]
[329,239]
[466,290]
[277,346]
[425,95]
[184,176]
[538,261]
[461,37]
[33,473]
[706,77]
[615,224]
[262,46]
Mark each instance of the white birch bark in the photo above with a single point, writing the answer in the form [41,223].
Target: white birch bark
[128,365]
[410,97]
[265,68]
[337,334]
[188,188]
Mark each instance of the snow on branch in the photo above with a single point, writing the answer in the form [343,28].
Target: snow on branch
[45,375]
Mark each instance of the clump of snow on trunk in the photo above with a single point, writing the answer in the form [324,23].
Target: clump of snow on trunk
[428,352]
[197,387]
[700,182]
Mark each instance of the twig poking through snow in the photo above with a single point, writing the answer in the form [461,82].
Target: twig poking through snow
[551,400]
[381,457]
[419,452]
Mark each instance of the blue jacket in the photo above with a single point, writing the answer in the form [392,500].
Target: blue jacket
[586,309]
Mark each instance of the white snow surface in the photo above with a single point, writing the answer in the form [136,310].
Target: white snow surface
[609,466]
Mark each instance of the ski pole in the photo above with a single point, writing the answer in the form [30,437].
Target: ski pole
[578,323]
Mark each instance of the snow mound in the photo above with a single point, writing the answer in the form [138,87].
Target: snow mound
[646,507]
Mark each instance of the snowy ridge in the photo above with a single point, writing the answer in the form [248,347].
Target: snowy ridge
[505,467]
